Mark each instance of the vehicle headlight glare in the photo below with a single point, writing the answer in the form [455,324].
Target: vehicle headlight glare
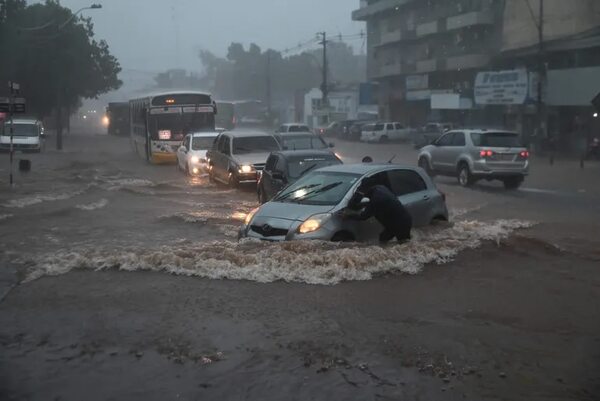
[195,159]
[245,169]
[313,223]
[250,216]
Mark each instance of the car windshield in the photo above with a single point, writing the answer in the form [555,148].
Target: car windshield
[254,144]
[319,188]
[21,129]
[180,125]
[298,166]
[496,140]
[202,143]
[298,128]
[303,142]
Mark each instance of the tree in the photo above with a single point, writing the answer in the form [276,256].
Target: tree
[55,58]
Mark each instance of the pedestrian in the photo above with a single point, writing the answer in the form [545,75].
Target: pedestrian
[385,207]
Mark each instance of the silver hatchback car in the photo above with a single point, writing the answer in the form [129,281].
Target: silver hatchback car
[471,155]
[311,208]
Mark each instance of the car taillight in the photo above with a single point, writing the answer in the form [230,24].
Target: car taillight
[486,153]
[524,154]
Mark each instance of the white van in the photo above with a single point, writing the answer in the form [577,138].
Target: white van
[27,135]
[384,132]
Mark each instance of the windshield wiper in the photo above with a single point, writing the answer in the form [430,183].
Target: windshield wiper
[316,192]
[288,194]
[306,170]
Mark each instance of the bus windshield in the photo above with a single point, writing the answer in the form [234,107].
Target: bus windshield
[179,125]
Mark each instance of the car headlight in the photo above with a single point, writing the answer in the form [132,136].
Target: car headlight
[250,216]
[195,159]
[245,169]
[313,223]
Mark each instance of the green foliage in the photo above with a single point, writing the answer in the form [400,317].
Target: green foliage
[243,74]
[53,55]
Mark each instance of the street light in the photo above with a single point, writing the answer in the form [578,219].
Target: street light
[94,6]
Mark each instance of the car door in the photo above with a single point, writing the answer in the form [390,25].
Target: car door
[224,158]
[369,230]
[390,132]
[456,149]
[439,159]
[279,175]
[412,192]
[217,158]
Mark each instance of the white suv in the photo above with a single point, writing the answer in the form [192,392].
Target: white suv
[472,155]
[385,132]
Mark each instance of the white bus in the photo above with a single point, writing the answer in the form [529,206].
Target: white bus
[160,122]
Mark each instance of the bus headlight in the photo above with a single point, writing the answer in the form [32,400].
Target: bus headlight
[246,169]
[313,223]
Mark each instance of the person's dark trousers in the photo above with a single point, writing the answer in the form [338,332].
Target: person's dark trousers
[387,235]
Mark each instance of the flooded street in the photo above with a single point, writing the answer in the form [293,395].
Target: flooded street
[129,277]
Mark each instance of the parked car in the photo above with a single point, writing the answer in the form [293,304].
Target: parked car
[385,132]
[430,132]
[302,141]
[238,157]
[285,167]
[294,127]
[472,155]
[28,135]
[311,207]
[191,155]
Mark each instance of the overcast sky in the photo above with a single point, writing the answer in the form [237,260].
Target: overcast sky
[151,35]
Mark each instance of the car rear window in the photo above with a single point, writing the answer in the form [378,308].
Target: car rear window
[497,140]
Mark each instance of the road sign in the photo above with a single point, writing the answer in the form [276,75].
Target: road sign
[8,105]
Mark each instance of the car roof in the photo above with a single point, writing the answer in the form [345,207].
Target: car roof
[205,134]
[298,133]
[23,121]
[292,124]
[482,131]
[246,134]
[304,153]
[365,168]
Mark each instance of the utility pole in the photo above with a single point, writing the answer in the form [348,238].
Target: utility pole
[541,76]
[269,100]
[325,85]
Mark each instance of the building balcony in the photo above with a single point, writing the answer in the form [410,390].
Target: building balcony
[428,28]
[467,61]
[470,19]
[364,13]
[396,36]
[388,70]
[429,65]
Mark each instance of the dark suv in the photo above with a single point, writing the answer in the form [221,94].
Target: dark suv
[285,167]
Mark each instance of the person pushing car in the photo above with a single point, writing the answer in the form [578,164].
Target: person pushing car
[385,207]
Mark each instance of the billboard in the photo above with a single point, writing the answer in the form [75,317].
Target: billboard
[502,87]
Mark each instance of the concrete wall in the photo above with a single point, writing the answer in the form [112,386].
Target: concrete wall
[562,18]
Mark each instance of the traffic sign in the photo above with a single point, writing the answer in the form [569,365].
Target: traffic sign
[8,105]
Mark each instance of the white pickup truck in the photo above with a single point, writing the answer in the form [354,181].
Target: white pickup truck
[384,132]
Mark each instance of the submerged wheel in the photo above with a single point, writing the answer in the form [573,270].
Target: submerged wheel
[465,178]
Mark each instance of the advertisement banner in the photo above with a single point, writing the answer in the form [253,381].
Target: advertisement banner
[502,87]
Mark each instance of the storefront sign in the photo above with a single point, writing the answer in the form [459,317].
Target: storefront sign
[502,87]
[416,82]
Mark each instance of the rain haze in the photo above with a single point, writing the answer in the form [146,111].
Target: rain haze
[157,35]
[299,200]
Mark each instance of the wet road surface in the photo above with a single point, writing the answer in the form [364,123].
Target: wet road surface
[97,249]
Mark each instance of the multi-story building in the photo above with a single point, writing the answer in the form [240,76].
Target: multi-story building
[476,62]
[425,54]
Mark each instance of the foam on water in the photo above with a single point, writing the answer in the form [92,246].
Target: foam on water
[40,198]
[93,206]
[310,262]
[5,216]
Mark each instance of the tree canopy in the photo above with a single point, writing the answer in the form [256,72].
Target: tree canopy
[53,55]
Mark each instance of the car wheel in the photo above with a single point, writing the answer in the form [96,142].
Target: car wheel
[512,182]
[465,178]
[424,164]
[384,139]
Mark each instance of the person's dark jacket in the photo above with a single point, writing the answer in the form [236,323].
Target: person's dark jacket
[387,209]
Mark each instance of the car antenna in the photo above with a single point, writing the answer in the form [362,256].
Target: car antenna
[392,159]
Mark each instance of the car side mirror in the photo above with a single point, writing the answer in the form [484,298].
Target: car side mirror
[331,145]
